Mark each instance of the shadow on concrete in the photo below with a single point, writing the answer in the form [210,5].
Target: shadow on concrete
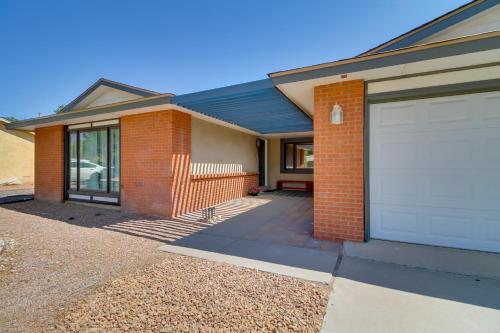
[472,290]
[272,227]
[278,231]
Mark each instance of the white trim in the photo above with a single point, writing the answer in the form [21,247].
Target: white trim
[118,114]
[470,75]
[105,199]
[79,196]
[86,125]
[106,122]
[288,135]
[302,92]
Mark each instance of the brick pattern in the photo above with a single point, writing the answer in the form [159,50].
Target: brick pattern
[146,168]
[211,190]
[338,162]
[49,163]
[155,168]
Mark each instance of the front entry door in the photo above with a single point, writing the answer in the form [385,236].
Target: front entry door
[262,162]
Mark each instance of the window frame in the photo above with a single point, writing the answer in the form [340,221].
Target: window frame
[88,127]
[295,142]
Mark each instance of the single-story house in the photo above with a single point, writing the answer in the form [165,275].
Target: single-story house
[401,142]
[17,155]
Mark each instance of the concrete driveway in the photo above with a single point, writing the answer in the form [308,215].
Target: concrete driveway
[376,291]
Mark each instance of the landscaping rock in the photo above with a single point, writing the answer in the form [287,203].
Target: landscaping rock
[184,294]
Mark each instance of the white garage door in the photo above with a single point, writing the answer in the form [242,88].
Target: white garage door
[435,171]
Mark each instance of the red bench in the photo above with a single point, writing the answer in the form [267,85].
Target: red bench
[295,185]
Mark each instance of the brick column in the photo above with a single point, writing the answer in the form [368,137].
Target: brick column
[49,163]
[338,162]
[155,151]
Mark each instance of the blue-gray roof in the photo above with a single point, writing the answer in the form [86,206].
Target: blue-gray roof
[256,105]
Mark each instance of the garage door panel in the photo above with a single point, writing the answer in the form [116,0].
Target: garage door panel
[435,171]
[492,151]
[396,116]
[436,226]
[448,110]
[434,187]
[464,112]
[393,186]
[448,188]
[491,114]
[458,149]
[492,232]
[393,222]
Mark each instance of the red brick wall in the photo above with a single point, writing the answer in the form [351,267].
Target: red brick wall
[155,168]
[146,163]
[49,163]
[208,190]
[338,162]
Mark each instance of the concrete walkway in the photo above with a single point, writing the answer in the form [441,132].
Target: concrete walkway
[274,235]
[373,294]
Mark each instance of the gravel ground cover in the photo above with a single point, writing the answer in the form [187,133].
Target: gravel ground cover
[184,294]
[60,251]
[69,272]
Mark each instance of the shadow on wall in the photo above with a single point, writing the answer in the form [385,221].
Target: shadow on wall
[215,168]
[191,192]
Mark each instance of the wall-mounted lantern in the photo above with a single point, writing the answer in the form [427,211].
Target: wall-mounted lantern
[336,115]
[257,143]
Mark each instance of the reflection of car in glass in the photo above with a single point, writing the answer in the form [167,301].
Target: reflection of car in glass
[88,170]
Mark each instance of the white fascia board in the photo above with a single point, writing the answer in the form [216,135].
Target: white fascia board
[470,75]
[119,114]
[288,135]
[302,92]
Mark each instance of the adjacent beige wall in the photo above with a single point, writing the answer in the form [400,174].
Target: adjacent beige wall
[218,149]
[274,173]
[17,154]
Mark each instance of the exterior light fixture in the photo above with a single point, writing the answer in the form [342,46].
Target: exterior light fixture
[336,115]
[257,143]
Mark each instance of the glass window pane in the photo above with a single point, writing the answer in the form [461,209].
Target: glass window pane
[304,156]
[115,160]
[93,160]
[289,156]
[72,160]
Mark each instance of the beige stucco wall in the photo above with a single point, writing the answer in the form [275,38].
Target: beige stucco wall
[274,173]
[17,154]
[218,149]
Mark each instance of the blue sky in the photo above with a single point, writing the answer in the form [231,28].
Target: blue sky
[53,50]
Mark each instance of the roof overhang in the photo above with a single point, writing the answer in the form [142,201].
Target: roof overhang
[298,84]
[256,105]
[256,108]
[118,110]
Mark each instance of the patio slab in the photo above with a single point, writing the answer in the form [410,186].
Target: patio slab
[273,229]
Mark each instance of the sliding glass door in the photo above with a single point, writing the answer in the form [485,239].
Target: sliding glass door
[93,162]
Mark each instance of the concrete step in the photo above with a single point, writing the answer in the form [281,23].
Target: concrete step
[443,259]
